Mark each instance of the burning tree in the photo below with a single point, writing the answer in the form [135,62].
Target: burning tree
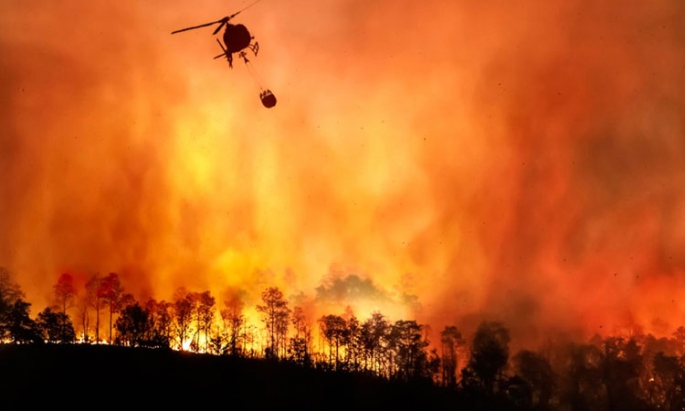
[275,315]
[354,346]
[93,299]
[204,315]
[161,317]
[409,348]
[64,292]
[111,291]
[489,356]
[537,372]
[300,350]
[183,310]
[334,330]
[373,336]
[668,382]
[451,340]
[234,322]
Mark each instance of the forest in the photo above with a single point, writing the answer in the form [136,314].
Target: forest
[624,372]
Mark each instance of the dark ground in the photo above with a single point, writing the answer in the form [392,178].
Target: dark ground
[104,377]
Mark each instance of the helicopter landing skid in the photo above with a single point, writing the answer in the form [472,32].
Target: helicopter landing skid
[229,56]
[254,47]
[244,56]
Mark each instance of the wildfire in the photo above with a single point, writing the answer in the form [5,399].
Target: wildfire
[456,160]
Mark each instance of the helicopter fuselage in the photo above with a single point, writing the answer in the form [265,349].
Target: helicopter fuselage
[236,37]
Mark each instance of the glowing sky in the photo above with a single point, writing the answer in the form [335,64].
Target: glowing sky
[518,160]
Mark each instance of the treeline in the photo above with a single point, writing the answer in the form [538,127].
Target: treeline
[637,372]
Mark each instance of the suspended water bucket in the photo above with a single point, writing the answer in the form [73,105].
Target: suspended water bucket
[268,98]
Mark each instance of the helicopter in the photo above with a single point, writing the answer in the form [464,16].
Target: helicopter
[236,39]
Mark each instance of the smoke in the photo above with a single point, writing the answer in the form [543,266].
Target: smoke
[83,183]
[517,161]
[587,161]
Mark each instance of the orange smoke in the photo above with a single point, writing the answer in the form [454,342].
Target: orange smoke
[519,161]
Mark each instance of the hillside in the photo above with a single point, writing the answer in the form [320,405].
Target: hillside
[127,377]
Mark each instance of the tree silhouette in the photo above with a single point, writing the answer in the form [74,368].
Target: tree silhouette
[110,291]
[275,315]
[668,383]
[10,292]
[537,372]
[409,347]
[334,330]
[354,343]
[234,322]
[64,292]
[56,327]
[82,303]
[434,366]
[300,344]
[450,341]
[15,323]
[489,355]
[679,335]
[22,329]
[183,309]
[621,365]
[373,335]
[134,326]
[94,299]
[204,314]
[582,387]
[125,300]
[161,322]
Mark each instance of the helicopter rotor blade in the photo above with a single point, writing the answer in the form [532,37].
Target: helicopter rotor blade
[223,21]
[243,9]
